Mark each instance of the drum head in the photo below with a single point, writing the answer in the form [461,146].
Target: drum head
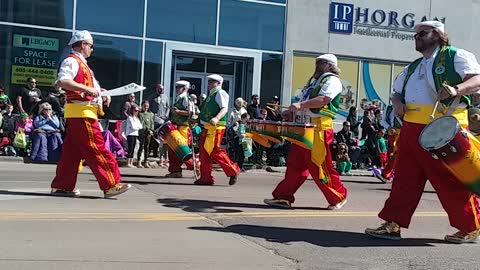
[439,133]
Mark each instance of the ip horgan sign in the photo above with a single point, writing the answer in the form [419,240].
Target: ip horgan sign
[348,19]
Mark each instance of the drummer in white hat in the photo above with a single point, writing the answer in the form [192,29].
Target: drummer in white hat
[445,75]
[213,117]
[84,140]
[320,102]
[180,118]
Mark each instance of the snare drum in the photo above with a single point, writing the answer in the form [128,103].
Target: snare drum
[175,141]
[456,148]
[299,134]
[271,130]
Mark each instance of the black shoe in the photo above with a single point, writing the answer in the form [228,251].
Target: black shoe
[388,230]
[65,193]
[233,180]
[202,183]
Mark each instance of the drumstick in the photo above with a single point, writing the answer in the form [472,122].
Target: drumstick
[432,116]
[281,106]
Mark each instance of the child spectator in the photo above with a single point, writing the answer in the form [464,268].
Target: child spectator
[381,148]
[344,165]
[7,130]
[145,134]
[244,143]
[25,125]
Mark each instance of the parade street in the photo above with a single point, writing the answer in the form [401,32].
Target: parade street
[172,224]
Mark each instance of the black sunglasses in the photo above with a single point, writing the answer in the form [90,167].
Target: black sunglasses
[423,33]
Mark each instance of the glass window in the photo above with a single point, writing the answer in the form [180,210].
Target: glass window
[251,25]
[116,62]
[276,1]
[183,20]
[26,52]
[153,67]
[220,66]
[54,13]
[271,84]
[375,83]
[190,63]
[111,16]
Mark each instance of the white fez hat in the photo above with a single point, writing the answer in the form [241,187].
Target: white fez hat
[216,77]
[328,57]
[435,24]
[80,36]
[183,83]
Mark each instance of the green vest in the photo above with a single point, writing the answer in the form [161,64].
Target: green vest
[331,109]
[443,71]
[180,120]
[210,109]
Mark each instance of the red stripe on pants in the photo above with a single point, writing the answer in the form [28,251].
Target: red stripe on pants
[413,166]
[218,155]
[300,165]
[174,163]
[84,141]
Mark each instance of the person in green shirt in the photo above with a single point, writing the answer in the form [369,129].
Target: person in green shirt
[145,134]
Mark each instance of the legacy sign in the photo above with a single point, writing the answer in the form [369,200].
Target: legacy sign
[347,19]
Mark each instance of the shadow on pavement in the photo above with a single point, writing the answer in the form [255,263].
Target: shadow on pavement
[204,206]
[364,182]
[43,194]
[324,238]
[389,189]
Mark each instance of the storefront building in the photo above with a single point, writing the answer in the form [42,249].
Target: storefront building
[372,39]
[148,42]
[264,47]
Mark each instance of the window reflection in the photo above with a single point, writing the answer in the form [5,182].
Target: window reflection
[183,20]
[220,66]
[153,67]
[110,16]
[190,63]
[54,13]
[271,76]
[251,25]
[116,62]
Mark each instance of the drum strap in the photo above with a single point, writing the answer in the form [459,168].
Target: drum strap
[419,114]
[209,144]
[319,151]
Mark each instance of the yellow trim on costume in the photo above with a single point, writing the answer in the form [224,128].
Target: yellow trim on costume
[319,152]
[209,143]
[420,114]
[73,110]
[183,131]
[98,154]
[474,210]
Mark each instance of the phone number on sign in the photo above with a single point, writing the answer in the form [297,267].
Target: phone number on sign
[34,71]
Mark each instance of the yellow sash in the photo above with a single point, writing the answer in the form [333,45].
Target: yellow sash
[210,138]
[184,131]
[319,152]
[420,114]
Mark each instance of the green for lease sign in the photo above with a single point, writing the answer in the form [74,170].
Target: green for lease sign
[34,42]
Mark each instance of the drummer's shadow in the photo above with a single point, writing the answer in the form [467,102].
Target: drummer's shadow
[174,182]
[206,206]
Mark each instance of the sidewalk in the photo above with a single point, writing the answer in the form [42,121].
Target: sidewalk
[153,164]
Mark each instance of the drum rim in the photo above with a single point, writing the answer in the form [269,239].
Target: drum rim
[458,127]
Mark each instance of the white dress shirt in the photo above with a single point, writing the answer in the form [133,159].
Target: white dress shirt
[420,88]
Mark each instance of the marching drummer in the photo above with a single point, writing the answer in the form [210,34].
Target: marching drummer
[180,117]
[320,101]
[214,120]
[444,72]
[84,139]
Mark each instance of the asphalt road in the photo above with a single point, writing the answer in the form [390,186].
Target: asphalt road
[172,224]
